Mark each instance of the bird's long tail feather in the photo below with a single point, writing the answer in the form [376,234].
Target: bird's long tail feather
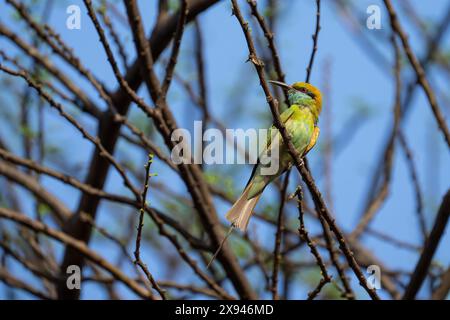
[220,246]
[238,215]
[242,209]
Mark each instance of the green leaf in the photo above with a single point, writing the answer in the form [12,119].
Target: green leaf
[43,209]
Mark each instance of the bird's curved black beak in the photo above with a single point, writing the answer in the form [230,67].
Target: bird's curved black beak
[281,84]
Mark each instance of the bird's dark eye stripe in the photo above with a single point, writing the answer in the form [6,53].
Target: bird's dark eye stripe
[304,90]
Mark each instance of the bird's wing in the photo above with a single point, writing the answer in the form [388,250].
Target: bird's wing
[313,140]
[284,117]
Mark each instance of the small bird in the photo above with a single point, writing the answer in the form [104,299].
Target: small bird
[300,120]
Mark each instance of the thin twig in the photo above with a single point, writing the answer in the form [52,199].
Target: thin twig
[415,181]
[421,269]
[421,76]
[137,252]
[112,31]
[306,176]
[81,247]
[271,43]
[184,11]
[315,38]
[441,292]
[383,191]
[278,238]
[326,278]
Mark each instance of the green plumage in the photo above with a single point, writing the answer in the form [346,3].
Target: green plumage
[299,122]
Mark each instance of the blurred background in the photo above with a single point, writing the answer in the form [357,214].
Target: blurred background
[213,82]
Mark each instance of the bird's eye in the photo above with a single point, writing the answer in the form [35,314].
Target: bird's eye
[302,90]
[312,95]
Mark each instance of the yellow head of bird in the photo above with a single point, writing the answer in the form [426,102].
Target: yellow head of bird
[312,94]
[311,91]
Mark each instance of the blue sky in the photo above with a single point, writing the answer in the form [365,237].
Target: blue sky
[356,82]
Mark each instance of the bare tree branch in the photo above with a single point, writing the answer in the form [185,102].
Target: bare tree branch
[429,249]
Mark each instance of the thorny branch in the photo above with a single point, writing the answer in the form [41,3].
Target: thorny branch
[306,176]
[326,278]
[49,77]
[137,252]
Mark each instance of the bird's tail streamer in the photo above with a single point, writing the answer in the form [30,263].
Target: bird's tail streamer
[220,246]
[238,215]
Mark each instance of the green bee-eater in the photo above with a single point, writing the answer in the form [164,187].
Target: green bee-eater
[300,120]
